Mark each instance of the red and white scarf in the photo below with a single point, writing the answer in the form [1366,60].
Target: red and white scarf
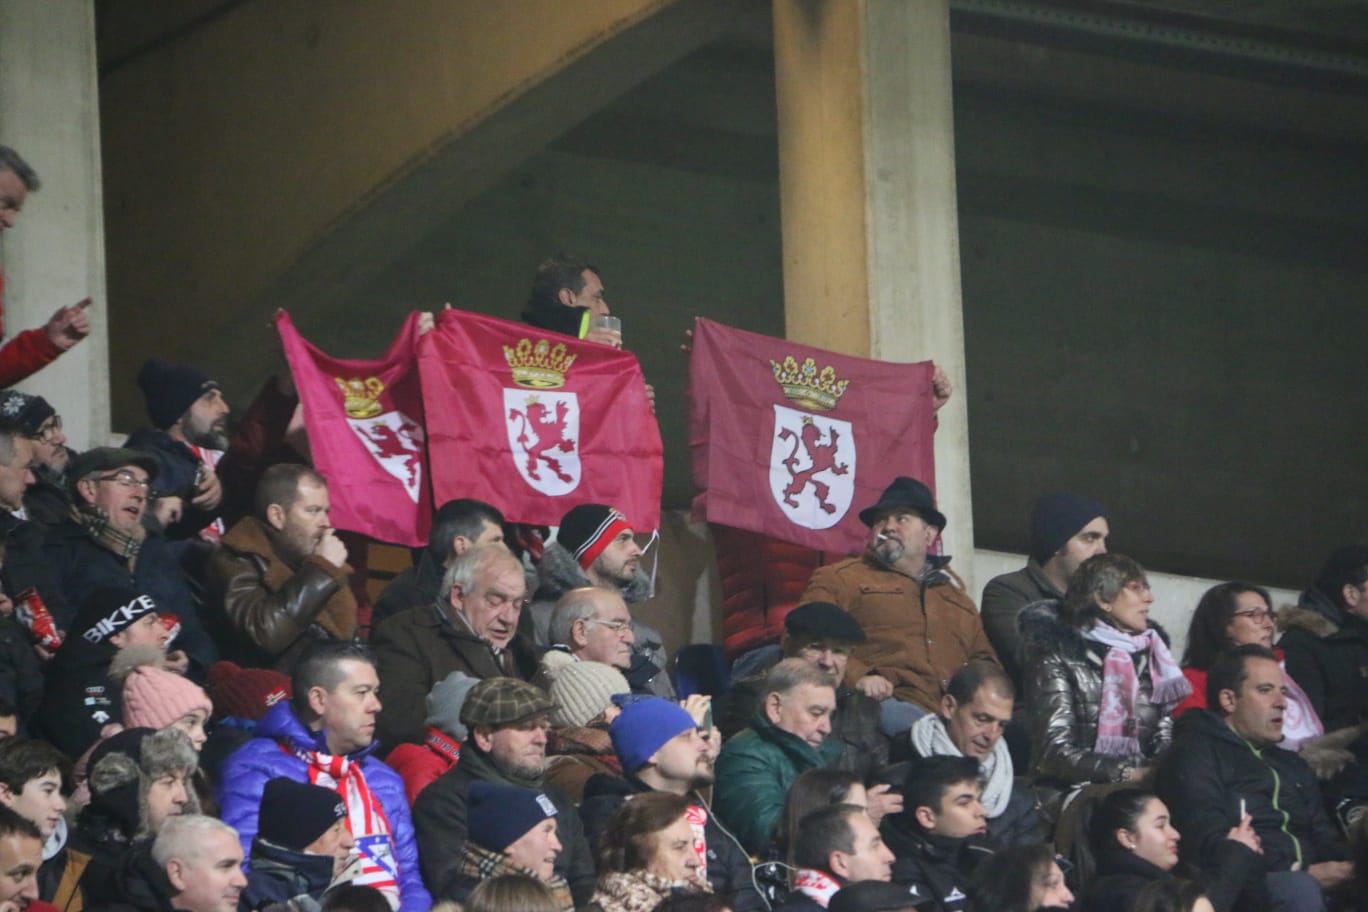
[698,821]
[366,820]
[1117,724]
[815,885]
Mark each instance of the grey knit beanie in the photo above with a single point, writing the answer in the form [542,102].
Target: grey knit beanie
[582,690]
[444,704]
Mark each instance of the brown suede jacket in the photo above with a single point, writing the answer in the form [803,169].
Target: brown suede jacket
[920,631]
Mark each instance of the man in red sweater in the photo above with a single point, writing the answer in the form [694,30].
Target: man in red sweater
[33,349]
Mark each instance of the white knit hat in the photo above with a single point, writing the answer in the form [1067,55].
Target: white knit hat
[582,690]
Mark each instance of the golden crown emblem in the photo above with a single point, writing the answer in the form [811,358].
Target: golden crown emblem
[539,366]
[807,386]
[361,398]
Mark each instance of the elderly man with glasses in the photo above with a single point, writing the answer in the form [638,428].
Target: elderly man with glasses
[104,542]
[590,625]
[472,627]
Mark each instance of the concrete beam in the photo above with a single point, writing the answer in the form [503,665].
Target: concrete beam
[867,180]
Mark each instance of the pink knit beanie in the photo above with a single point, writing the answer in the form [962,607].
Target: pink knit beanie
[152,696]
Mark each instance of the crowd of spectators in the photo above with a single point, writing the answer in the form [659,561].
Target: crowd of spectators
[200,709]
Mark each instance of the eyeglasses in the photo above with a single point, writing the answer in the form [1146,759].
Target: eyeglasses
[126,480]
[1255,614]
[50,429]
[1138,586]
[617,627]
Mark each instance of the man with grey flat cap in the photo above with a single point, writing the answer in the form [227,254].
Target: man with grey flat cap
[105,543]
[920,624]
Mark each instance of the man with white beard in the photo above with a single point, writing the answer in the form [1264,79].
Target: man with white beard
[921,625]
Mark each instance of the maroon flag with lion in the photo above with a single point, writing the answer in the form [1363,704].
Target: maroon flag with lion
[538,422]
[365,425]
[793,441]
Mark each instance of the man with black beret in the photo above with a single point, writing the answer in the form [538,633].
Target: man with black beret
[104,543]
[822,634]
[921,625]
[189,434]
[1066,530]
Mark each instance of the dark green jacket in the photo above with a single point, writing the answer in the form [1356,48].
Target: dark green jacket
[754,772]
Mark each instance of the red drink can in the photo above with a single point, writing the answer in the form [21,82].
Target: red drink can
[33,614]
[172,623]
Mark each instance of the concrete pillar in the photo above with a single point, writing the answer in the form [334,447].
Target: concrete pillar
[54,256]
[867,184]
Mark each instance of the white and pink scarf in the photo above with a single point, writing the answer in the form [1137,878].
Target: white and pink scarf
[816,885]
[1117,723]
[366,820]
[1300,722]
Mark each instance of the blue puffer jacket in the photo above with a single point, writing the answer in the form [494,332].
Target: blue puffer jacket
[260,760]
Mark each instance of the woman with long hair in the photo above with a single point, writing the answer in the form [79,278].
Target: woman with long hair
[1127,841]
[1020,879]
[1236,614]
[647,852]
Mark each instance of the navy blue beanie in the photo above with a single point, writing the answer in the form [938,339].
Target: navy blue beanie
[499,815]
[170,389]
[1057,518]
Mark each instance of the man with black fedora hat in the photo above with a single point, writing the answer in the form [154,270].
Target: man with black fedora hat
[921,625]
[507,720]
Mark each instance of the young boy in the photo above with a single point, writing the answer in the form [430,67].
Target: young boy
[938,837]
[31,779]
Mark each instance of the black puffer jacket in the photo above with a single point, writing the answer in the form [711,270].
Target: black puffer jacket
[1064,697]
[1326,651]
[80,699]
[935,869]
[137,884]
[1211,770]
